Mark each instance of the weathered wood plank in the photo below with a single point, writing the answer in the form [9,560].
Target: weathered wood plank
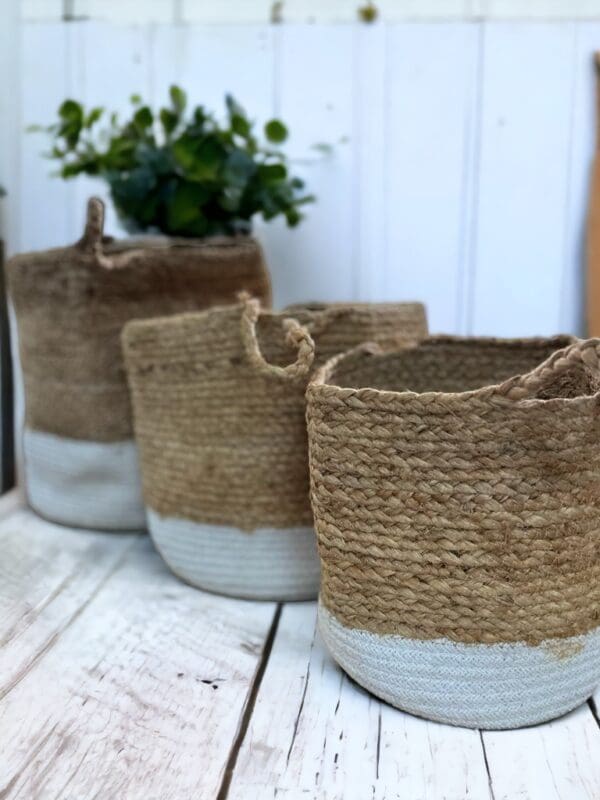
[556,761]
[430,89]
[141,693]
[47,574]
[314,95]
[523,179]
[315,734]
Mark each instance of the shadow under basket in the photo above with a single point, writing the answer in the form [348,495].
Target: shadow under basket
[456,510]
[219,415]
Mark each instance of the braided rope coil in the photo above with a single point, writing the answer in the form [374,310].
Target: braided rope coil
[219,405]
[456,489]
[71,304]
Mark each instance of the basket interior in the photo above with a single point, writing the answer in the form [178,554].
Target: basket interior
[460,366]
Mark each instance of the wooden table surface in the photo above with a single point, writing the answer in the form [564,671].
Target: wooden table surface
[119,682]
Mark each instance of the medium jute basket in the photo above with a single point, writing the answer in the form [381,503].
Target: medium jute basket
[456,493]
[220,420]
[71,303]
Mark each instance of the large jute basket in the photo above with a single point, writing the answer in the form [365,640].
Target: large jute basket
[457,513]
[220,420]
[71,303]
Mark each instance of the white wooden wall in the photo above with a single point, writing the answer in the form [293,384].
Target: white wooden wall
[462,151]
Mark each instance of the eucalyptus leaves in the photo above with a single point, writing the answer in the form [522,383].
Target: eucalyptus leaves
[184,174]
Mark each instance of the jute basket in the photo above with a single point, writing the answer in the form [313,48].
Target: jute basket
[220,421]
[457,512]
[71,303]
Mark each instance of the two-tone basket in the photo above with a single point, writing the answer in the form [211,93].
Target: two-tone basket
[81,465]
[456,494]
[220,421]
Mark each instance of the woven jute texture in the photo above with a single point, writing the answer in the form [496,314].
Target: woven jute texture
[454,501]
[220,418]
[72,302]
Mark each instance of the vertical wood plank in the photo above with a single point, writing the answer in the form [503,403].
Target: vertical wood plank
[314,95]
[45,200]
[371,89]
[110,63]
[523,181]
[431,104]
[211,61]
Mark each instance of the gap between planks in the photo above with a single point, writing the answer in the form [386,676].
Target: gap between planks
[314,734]
[248,710]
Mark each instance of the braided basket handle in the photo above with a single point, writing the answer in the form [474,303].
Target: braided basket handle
[583,351]
[296,336]
[93,234]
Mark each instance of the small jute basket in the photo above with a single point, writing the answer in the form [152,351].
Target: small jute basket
[456,510]
[220,420]
[80,458]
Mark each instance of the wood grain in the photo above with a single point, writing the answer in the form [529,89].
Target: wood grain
[48,574]
[316,734]
[556,761]
[139,693]
[118,681]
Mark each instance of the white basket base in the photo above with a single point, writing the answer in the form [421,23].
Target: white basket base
[84,484]
[265,564]
[476,686]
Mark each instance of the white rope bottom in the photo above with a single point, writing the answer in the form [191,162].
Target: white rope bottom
[478,686]
[84,484]
[265,564]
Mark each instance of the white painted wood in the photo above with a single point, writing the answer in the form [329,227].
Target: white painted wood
[242,11]
[539,9]
[462,180]
[210,62]
[371,80]
[313,734]
[46,202]
[117,680]
[556,761]
[42,10]
[430,102]
[522,229]
[314,96]
[109,63]
[47,574]
[140,692]
[126,11]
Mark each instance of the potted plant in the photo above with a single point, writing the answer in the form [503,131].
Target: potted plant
[182,174]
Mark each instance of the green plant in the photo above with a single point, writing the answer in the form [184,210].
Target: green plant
[183,174]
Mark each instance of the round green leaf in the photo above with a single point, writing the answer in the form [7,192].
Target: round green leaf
[275,131]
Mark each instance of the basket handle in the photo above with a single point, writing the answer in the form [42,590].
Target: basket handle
[93,234]
[296,336]
[583,351]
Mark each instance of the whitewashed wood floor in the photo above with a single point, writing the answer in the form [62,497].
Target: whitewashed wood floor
[118,682]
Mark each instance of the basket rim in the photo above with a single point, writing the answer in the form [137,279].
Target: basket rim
[322,383]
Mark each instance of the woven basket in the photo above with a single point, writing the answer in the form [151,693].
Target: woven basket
[457,511]
[71,303]
[220,421]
